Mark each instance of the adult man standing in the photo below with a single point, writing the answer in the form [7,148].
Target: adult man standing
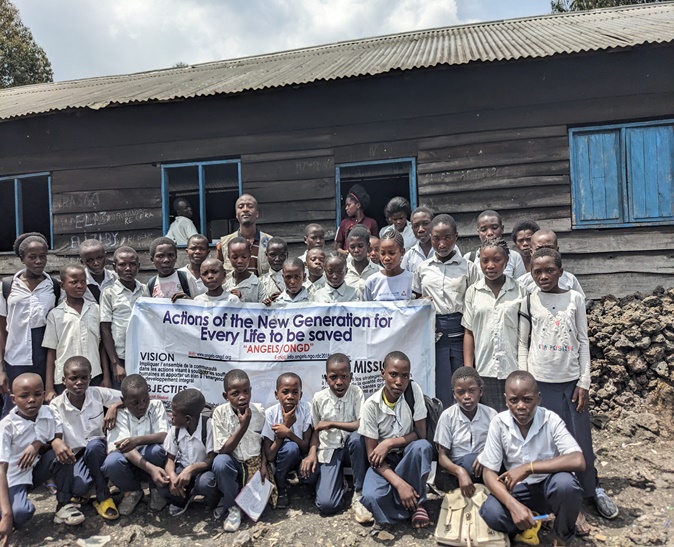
[247,214]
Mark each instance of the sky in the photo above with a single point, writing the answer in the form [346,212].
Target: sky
[85,38]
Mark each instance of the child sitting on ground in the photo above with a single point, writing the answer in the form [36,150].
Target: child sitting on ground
[116,307]
[336,289]
[335,416]
[315,272]
[73,328]
[26,460]
[400,456]
[243,283]
[83,448]
[99,278]
[286,432]
[135,451]
[197,252]
[314,238]
[272,281]
[462,431]
[168,282]
[213,278]
[293,277]
[358,265]
[189,450]
[540,456]
[237,427]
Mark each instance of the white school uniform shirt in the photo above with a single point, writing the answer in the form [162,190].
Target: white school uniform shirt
[72,334]
[273,282]
[285,298]
[326,406]
[515,267]
[494,322]
[116,307]
[189,449]
[82,426]
[25,310]
[330,294]
[109,279]
[274,415]
[166,287]
[414,257]
[407,233]
[313,286]
[181,229]
[153,421]
[226,296]
[460,435]
[382,288]
[251,288]
[17,433]
[226,422]
[355,279]
[567,281]
[547,439]
[560,348]
[198,283]
[378,421]
[445,282]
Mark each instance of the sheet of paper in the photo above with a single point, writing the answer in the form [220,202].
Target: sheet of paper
[254,496]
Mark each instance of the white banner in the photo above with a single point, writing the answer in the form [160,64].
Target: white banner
[193,344]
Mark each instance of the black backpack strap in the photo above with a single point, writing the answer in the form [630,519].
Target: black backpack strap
[471,256]
[204,431]
[182,277]
[57,290]
[95,291]
[410,400]
[527,316]
[151,284]
[7,286]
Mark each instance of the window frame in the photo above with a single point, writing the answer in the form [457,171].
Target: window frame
[626,193]
[338,180]
[18,204]
[166,205]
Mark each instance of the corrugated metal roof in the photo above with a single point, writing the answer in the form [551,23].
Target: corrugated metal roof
[495,41]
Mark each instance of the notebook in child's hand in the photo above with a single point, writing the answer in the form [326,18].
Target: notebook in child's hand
[254,496]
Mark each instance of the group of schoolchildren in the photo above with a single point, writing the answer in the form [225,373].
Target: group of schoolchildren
[511,332]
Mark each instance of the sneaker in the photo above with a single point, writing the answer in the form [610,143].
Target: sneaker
[157,501]
[233,520]
[219,510]
[360,512]
[176,510]
[130,502]
[606,507]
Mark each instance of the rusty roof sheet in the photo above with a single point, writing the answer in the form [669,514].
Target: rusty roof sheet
[513,39]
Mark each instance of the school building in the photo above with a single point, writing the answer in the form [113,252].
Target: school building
[564,119]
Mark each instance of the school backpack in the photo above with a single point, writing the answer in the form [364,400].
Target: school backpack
[433,410]
[182,278]
[95,291]
[460,523]
[527,316]
[7,283]
[206,415]
[470,257]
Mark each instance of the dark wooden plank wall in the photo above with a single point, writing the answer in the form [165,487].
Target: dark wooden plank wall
[476,147]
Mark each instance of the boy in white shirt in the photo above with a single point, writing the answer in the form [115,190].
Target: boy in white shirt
[490,226]
[168,282]
[243,283]
[315,279]
[83,448]
[272,281]
[213,278]
[237,428]
[293,277]
[197,251]
[73,328]
[287,431]
[135,451]
[99,278]
[540,456]
[116,307]
[189,449]
[335,417]
[335,288]
[25,458]
[399,454]
[462,431]
[423,249]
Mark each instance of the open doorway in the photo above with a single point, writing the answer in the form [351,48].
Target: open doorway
[382,179]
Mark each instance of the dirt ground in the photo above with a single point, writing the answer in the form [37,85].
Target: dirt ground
[635,458]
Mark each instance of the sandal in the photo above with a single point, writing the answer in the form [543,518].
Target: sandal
[420,518]
[583,527]
[69,514]
[107,509]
